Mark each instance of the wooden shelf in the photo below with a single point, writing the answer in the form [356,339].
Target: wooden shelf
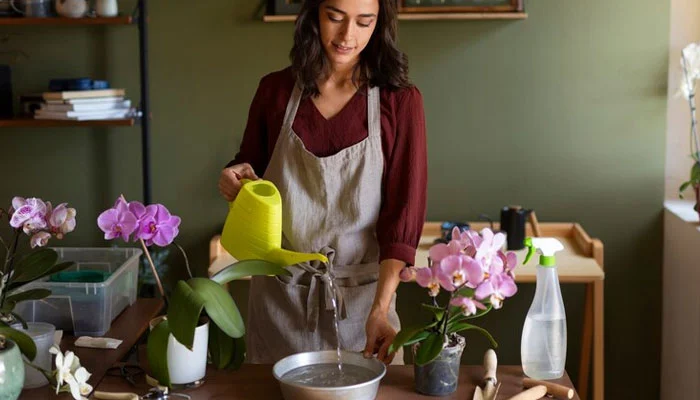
[425,16]
[121,20]
[24,122]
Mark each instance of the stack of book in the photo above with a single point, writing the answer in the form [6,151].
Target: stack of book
[84,105]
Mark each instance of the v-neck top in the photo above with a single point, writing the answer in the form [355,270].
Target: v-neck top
[404,179]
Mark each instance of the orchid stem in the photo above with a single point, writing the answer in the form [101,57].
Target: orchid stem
[187,261]
[153,269]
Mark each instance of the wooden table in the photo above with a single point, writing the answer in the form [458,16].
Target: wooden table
[255,382]
[129,326]
[581,261]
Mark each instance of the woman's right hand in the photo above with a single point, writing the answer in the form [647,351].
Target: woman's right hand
[230,179]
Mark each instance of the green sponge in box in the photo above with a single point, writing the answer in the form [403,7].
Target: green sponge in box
[80,276]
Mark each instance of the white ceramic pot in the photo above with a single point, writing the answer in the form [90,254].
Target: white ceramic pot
[71,8]
[187,368]
[106,8]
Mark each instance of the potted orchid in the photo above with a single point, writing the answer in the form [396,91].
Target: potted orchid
[477,276]
[690,62]
[33,222]
[68,376]
[202,318]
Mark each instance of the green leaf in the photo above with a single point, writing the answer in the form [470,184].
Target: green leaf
[220,306]
[31,294]
[21,320]
[24,342]
[56,268]
[463,326]
[183,313]
[683,187]
[420,336]
[695,173]
[239,353]
[157,352]
[221,347]
[429,349]
[459,317]
[248,268]
[34,265]
[438,311]
[406,334]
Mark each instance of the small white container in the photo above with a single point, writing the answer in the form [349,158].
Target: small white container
[42,334]
[106,8]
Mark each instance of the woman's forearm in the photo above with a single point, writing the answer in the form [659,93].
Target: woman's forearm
[386,286]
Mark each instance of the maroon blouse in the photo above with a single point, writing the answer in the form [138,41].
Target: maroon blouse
[404,179]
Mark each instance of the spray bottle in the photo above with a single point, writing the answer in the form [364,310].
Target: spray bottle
[543,345]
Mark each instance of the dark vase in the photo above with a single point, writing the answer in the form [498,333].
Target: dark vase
[697,199]
[440,376]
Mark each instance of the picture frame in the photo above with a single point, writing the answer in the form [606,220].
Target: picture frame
[460,6]
[283,7]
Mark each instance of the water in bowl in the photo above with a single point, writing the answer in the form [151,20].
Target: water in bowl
[328,375]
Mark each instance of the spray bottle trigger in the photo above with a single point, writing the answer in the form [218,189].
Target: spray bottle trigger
[530,250]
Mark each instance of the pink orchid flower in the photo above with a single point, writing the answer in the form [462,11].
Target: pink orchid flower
[427,278]
[117,222]
[440,251]
[39,239]
[29,214]
[497,288]
[60,220]
[487,250]
[407,274]
[157,225]
[510,261]
[467,304]
[457,270]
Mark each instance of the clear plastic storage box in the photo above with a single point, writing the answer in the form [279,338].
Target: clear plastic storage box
[87,308]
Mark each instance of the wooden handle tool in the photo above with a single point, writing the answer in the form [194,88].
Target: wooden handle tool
[115,396]
[534,393]
[554,389]
[535,224]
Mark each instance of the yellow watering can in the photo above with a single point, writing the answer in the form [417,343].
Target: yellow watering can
[253,228]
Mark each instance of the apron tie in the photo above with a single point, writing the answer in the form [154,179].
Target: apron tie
[321,274]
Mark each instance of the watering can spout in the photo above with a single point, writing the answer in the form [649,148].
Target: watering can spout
[253,227]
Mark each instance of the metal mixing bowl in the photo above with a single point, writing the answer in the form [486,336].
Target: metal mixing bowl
[361,391]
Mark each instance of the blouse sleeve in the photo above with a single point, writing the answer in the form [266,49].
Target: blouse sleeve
[403,210]
[253,149]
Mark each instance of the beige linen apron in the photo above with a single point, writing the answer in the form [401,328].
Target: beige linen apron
[330,205]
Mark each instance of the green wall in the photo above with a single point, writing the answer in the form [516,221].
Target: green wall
[563,112]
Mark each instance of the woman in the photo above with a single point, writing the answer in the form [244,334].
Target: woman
[341,133]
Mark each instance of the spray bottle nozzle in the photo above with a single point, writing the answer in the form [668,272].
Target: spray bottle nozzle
[546,246]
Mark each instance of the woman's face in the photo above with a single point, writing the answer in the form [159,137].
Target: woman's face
[346,27]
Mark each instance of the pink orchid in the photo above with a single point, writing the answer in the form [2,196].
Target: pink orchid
[487,250]
[467,304]
[156,224]
[407,274]
[510,261]
[61,220]
[39,239]
[440,251]
[427,278]
[118,221]
[497,288]
[457,270]
[29,214]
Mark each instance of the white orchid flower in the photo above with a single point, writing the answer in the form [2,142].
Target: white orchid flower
[70,373]
[690,62]
[82,376]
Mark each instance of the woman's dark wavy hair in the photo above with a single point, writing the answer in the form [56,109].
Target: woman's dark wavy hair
[381,62]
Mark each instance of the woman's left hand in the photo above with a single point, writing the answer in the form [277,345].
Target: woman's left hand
[380,334]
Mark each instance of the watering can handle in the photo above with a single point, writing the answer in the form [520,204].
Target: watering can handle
[243,182]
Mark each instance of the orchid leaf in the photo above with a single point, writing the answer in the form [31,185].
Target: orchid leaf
[457,318]
[405,335]
[34,265]
[683,187]
[54,269]
[239,353]
[429,349]
[22,340]
[695,173]
[219,305]
[157,352]
[438,311]
[463,326]
[183,313]
[248,268]
[221,347]
[418,337]
[31,294]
